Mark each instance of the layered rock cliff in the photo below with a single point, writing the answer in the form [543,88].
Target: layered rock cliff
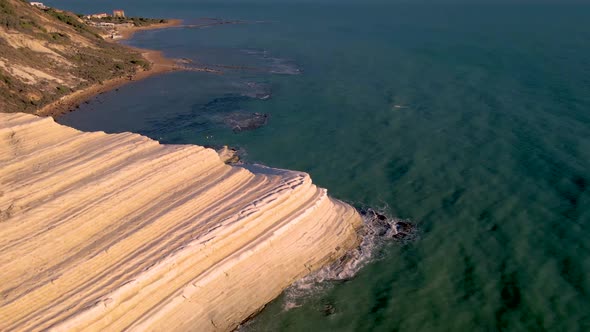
[106,232]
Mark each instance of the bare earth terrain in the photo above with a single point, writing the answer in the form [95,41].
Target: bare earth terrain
[47,55]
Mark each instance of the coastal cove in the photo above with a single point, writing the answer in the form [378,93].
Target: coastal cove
[158,64]
[469,120]
[68,103]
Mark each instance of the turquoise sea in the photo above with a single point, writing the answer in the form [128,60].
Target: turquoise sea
[470,120]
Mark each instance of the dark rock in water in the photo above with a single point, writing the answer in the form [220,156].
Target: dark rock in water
[382,227]
[233,160]
[404,227]
[229,155]
[328,309]
[388,228]
[405,230]
[245,121]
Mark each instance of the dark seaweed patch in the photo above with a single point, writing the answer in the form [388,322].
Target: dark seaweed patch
[468,284]
[222,104]
[510,296]
[397,169]
[572,193]
[572,274]
[484,215]
[453,198]
[510,292]
[220,112]
[382,300]
[580,183]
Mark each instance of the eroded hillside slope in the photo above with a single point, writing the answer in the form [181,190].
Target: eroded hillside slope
[46,54]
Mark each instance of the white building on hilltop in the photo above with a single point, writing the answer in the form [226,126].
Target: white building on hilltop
[101,15]
[38,5]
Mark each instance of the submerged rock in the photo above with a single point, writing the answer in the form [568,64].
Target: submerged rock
[240,121]
[328,310]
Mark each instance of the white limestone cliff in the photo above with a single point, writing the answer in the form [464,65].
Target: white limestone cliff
[107,232]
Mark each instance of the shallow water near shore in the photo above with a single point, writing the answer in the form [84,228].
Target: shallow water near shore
[473,121]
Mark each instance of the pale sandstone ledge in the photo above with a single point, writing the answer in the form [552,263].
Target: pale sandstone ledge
[107,232]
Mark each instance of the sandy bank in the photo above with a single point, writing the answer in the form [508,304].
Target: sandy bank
[128,32]
[106,232]
[68,103]
[159,65]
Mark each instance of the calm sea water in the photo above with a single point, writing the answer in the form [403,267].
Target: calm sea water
[473,121]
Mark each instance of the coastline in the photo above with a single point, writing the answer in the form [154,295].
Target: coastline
[127,33]
[159,64]
[307,204]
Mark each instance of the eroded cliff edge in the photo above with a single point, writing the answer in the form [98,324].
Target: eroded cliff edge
[116,231]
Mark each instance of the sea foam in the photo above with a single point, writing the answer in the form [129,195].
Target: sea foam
[378,230]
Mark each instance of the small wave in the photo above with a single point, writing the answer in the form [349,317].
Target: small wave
[251,51]
[256,90]
[284,67]
[274,65]
[378,230]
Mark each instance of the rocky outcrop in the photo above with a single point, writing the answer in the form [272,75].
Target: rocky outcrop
[106,232]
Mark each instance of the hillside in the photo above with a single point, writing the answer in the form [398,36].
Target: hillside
[46,54]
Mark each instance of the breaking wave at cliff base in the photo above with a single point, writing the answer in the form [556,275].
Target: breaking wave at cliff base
[377,230]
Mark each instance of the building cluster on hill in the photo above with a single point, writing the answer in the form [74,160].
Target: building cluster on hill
[109,23]
[38,5]
[117,13]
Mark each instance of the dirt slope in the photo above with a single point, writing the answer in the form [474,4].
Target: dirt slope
[46,54]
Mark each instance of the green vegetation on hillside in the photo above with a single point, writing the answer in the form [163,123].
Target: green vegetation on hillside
[137,21]
[8,16]
[45,54]
[73,21]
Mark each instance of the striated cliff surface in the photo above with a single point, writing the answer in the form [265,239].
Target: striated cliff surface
[105,232]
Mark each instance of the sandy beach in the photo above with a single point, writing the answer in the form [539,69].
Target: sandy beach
[68,103]
[127,33]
